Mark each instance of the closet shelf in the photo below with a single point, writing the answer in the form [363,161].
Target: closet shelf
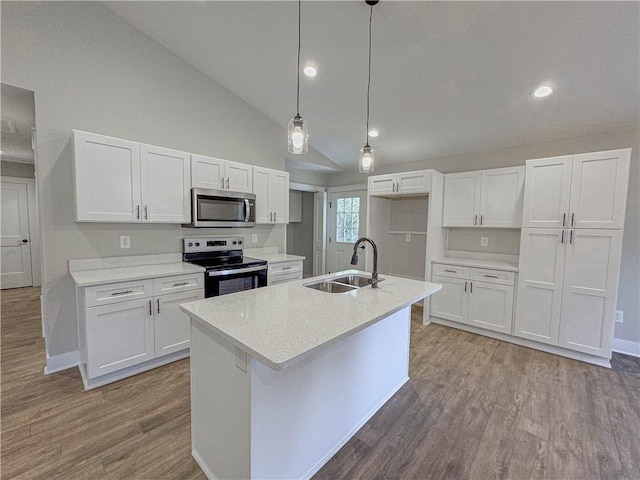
[404,232]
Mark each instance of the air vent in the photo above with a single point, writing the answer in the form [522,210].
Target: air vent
[8,125]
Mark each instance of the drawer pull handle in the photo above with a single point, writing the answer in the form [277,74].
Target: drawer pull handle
[121,293]
[465,286]
[287,268]
[491,276]
[451,271]
[180,284]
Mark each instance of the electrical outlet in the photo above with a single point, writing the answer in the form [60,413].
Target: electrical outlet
[125,241]
[254,238]
[484,241]
[619,316]
[407,237]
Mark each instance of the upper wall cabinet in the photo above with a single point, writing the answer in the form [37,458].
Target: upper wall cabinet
[271,188]
[400,184]
[580,191]
[121,181]
[218,174]
[485,198]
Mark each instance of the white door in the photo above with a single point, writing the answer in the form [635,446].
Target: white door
[413,182]
[166,180]
[280,196]
[450,303]
[461,199]
[239,177]
[262,190]
[15,241]
[547,186]
[119,336]
[501,197]
[540,276]
[207,172]
[599,189]
[491,306]
[347,218]
[172,330]
[107,179]
[319,232]
[382,184]
[592,268]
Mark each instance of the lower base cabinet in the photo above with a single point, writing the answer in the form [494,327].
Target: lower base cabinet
[172,326]
[284,272]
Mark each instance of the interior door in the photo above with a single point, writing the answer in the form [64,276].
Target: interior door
[347,218]
[15,241]
[319,233]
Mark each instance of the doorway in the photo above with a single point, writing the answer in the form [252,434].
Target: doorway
[306,231]
[347,222]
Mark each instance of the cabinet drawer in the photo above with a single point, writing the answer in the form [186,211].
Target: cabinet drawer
[286,267]
[284,278]
[450,271]
[493,276]
[118,292]
[178,283]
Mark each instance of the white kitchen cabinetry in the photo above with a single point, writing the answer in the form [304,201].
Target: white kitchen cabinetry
[283,272]
[487,198]
[121,181]
[578,191]
[219,174]
[129,327]
[480,297]
[271,188]
[400,184]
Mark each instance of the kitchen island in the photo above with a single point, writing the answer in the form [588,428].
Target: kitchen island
[283,376]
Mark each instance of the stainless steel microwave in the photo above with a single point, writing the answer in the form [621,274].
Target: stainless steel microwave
[218,208]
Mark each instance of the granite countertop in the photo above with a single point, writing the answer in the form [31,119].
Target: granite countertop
[478,263]
[86,278]
[281,324]
[276,257]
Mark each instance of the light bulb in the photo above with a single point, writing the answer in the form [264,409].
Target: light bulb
[298,135]
[366,160]
[366,164]
[297,138]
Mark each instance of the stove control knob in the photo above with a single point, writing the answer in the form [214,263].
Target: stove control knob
[239,242]
[197,244]
[234,242]
[190,244]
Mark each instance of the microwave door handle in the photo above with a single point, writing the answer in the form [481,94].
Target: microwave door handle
[247,209]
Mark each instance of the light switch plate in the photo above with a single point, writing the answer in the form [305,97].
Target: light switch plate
[125,241]
[619,316]
[484,241]
[407,237]
[254,238]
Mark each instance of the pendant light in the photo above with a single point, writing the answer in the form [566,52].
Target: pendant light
[298,134]
[366,164]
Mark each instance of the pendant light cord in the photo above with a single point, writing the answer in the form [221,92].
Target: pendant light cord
[298,85]
[369,79]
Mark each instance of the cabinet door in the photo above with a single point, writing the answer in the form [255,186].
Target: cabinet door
[451,302]
[461,199]
[172,325]
[542,254]
[166,180]
[239,177]
[592,269]
[413,182]
[382,184]
[599,189]
[501,197]
[547,186]
[207,172]
[491,306]
[118,336]
[280,196]
[262,190]
[107,178]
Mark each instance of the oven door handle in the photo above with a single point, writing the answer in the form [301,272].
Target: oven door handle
[234,271]
[247,209]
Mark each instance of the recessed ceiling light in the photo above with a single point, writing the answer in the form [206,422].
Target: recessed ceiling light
[373,133]
[310,71]
[543,91]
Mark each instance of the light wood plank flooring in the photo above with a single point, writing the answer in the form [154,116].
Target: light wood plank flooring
[474,408]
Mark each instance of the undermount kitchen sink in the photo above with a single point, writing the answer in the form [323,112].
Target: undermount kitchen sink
[355,280]
[345,283]
[331,287]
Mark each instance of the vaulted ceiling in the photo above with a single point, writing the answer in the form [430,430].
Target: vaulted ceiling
[447,77]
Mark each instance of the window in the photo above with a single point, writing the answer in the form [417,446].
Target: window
[348,210]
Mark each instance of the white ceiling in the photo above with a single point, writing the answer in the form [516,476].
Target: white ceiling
[447,77]
[17,104]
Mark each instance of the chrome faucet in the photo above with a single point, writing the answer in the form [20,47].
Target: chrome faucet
[354,259]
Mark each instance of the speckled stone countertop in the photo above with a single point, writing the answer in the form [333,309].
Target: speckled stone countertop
[277,257]
[281,324]
[87,278]
[478,263]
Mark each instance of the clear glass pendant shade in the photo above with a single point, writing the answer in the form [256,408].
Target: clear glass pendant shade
[366,163]
[298,135]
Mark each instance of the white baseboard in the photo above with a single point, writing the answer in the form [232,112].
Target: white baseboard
[626,347]
[57,363]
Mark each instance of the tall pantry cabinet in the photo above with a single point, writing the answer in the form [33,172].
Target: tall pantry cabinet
[570,250]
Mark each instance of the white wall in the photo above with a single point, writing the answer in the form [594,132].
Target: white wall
[15,169]
[91,70]
[629,289]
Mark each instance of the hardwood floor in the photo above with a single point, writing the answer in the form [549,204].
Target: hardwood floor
[475,407]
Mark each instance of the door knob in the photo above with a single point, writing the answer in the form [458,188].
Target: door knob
[24,240]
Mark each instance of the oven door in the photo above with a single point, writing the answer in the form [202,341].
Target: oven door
[222,282]
[217,208]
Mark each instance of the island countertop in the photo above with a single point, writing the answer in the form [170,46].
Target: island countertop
[281,324]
